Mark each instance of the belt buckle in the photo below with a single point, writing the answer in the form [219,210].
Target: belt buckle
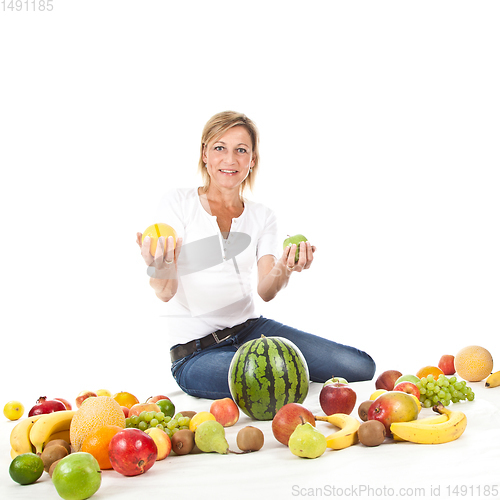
[217,339]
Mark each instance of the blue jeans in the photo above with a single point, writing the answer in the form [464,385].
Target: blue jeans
[204,373]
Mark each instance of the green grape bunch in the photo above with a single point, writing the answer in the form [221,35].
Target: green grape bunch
[444,389]
[148,419]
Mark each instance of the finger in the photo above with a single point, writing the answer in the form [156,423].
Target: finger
[160,245]
[290,262]
[169,253]
[139,239]
[146,252]
[302,257]
[309,255]
[178,245]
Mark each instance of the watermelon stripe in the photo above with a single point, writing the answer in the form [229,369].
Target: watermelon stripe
[267,373]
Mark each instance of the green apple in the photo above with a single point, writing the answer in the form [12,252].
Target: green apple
[77,476]
[407,378]
[294,240]
[334,380]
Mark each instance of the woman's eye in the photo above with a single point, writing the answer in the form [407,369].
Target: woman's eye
[242,150]
[219,148]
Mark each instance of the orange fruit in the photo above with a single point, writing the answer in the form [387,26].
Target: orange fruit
[430,370]
[473,363]
[97,444]
[125,399]
[95,413]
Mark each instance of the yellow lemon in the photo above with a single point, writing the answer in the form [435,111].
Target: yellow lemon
[377,393]
[103,392]
[13,410]
[200,417]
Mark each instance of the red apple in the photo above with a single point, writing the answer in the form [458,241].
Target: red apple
[393,406]
[387,379]
[125,410]
[225,411]
[337,398]
[154,399]
[44,406]
[138,408]
[287,418]
[132,452]
[83,396]
[409,388]
[447,364]
[67,404]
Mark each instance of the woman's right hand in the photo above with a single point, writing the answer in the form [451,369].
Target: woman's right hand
[164,263]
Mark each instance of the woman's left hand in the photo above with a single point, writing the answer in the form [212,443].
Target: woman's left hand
[306,251]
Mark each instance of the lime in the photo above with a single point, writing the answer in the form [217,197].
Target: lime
[167,407]
[13,410]
[26,468]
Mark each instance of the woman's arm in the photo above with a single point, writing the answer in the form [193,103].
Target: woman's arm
[275,273]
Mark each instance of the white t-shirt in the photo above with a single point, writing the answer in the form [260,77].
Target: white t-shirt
[215,274]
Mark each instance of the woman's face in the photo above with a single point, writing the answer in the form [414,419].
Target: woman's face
[229,158]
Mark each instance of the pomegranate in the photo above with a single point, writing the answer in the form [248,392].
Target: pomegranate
[44,405]
[132,452]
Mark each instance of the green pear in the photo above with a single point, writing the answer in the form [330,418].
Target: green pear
[291,240]
[306,441]
[210,436]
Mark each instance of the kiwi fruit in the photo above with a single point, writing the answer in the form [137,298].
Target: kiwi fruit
[189,414]
[183,442]
[363,410]
[51,454]
[61,442]
[53,466]
[250,439]
[371,433]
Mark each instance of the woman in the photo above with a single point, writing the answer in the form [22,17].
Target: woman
[207,276]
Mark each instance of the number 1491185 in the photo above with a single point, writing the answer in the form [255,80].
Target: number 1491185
[27,5]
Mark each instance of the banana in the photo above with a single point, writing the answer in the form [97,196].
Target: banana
[59,435]
[348,433]
[49,424]
[493,380]
[20,435]
[434,433]
[435,419]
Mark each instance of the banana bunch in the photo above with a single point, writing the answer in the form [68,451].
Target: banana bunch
[31,434]
[493,380]
[443,428]
[348,433]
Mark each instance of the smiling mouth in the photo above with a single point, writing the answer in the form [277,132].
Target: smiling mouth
[228,171]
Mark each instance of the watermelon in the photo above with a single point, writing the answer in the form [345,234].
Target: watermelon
[266,374]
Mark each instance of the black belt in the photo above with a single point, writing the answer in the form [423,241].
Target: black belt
[217,337]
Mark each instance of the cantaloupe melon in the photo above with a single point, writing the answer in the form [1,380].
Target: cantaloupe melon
[93,414]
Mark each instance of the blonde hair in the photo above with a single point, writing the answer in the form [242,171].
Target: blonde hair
[215,128]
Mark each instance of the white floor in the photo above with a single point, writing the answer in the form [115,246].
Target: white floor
[391,469]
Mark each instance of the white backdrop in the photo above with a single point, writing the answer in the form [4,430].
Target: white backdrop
[379,140]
